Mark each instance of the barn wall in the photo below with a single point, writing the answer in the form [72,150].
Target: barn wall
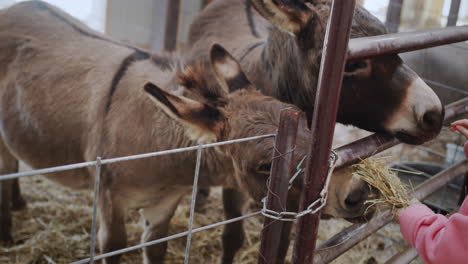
[155,25]
[132,21]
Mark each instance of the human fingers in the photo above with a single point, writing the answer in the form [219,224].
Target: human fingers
[461,122]
[463,131]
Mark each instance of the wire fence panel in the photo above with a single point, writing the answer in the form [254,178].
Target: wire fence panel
[97,185]
[98,165]
[127,158]
[192,205]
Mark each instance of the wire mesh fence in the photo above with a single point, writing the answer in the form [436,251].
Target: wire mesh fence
[100,162]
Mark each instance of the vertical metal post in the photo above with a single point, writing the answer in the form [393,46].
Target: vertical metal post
[97,181]
[394,15]
[172,25]
[464,190]
[192,204]
[281,170]
[323,124]
[453,14]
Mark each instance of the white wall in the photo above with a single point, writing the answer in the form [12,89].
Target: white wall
[91,12]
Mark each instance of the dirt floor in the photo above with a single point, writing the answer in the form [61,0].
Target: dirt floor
[56,225]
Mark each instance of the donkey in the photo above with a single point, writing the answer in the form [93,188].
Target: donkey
[279,44]
[69,94]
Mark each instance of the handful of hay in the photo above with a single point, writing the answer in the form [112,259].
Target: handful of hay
[380,176]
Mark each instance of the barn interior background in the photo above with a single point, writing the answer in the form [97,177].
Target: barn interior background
[55,229]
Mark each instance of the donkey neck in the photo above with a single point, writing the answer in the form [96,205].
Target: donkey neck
[134,118]
[280,69]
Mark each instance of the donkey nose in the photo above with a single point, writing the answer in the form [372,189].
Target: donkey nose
[432,121]
[355,200]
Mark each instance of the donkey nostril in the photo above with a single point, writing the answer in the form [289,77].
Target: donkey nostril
[355,199]
[432,120]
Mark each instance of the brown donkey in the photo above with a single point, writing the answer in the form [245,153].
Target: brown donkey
[279,45]
[69,94]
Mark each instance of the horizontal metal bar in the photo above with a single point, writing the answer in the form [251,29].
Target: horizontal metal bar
[367,47]
[425,175]
[179,235]
[431,151]
[455,109]
[340,243]
[364,148]
[127,158]
[404,257]
[444,86]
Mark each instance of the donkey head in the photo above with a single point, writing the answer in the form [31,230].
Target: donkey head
[380,94]
[224,105]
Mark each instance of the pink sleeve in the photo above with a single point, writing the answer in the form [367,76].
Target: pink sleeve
[466,149]
[437,239]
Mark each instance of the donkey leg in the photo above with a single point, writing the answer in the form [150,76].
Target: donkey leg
[202,197]
[17,202]
[112,234]
[233,233]
[5,211]
[8,164]
[156,225]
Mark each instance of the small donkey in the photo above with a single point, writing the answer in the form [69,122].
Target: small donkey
[69,94]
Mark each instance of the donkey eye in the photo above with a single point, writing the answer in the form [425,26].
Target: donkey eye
[265,168]
[354,66]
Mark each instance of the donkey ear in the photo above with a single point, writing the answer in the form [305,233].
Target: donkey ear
[227,70]
[202,123]
[287,15]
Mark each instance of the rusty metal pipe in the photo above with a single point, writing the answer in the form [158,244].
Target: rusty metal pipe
[323,124]
[281,171]
[335,248]
[368,47]
[364,148]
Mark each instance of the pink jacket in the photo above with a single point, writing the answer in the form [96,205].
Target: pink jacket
[437,239]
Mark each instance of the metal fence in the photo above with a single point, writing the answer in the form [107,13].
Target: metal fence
[335,54]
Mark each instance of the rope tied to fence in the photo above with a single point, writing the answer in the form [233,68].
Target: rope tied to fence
[315,206]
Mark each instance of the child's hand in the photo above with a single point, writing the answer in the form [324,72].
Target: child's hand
[412,202]
[460,126]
